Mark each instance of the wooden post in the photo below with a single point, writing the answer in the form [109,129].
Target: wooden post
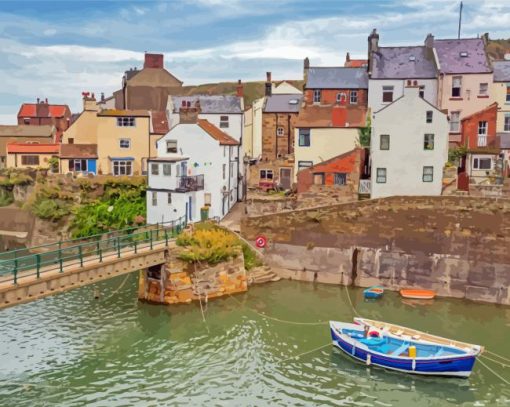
[15,271]
[151,237]
[118,247]
[81,255]
[38,264]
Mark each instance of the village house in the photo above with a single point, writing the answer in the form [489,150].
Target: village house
[226,112]
[195,168]
[29,155]
[339,175]
[355,63]
[122,137]
[481,162]
[465,78]
[44,134]
[44,113]
[501,94]
[408,147]
[78,159]
[391,68]
[159,126]
[145,89]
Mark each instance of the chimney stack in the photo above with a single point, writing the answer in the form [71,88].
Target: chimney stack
[102,96]
[188,114]
[338,116]
[38,100]
[373,46]
[42,109]
[347,57]
[268,84]
[89,103]
[154,61]
[239,89]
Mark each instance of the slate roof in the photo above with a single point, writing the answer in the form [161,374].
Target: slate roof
[159,122]
[210,104]
[337,77]
[26,131]
[216,133]
[501,71]
[450,61]
[78,151]
[283,103]
[402,63]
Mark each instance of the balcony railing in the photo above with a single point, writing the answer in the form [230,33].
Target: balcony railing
[482,140]
[192,183]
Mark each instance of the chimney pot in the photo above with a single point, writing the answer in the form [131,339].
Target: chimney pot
[102,96]
[46,100]
[268,76]
[240,89]
[38,100]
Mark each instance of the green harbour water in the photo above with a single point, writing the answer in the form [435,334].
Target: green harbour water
[74,350]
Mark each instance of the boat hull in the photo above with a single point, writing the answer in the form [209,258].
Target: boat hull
[418,294]
[460,366]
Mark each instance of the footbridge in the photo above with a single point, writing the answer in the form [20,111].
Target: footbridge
[36,272]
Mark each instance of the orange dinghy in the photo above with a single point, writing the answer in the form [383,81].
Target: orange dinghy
[418,294]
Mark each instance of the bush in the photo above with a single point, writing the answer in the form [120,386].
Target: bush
[251,259]
[211,246]
[6,197]
[50,209]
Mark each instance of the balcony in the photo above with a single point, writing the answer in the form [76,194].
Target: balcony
[187,184]
[482,140]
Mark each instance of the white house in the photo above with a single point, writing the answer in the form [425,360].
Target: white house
[226,112]
[408,147]
[390,69]
[196,166]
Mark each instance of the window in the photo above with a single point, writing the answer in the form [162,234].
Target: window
[30,160]
[26,120]
[169,198]
[231,170]
[304,137]
[387,94]
[126,122]
[429,116]
[428,142]
[318,179]
[422,91]
[482,163]
[154,198]
[223,122]
[70,141]
[155,169]
[125,143]
[428,174]
[340,178]
[167,169]
[280,131]
[317,96]
[340,97]
[455,122]
[78,165]
[381,176]
[207,198]
[507,100]
[266,174]
[384,142]
[304,164]
[171,146]
[506,126]
[484,89]
[482,134]
[122,167]
[354,97]
[456,86]
[224,171]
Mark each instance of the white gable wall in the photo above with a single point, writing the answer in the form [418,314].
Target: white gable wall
[375,91]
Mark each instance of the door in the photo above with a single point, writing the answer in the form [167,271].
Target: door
[91,164]
[285,180]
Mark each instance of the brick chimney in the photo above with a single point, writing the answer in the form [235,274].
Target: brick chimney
[89,103]
[239,89]
[347,59]
[189,114]
[373,46]
[268,84]
[338,116]
[153,61]
[42,109]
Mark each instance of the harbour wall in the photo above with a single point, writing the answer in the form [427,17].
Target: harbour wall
[458,246]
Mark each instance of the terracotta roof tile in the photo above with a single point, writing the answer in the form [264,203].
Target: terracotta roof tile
[78,151]
[30,110]
[32,148]
[216,133]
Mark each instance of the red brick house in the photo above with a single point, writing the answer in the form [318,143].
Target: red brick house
[341,173]
[478,136]
[355,63]
[43,113]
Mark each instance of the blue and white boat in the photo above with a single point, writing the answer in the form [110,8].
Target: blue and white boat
[403,349]
[373,292]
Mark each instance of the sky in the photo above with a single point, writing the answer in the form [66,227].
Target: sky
[58,49]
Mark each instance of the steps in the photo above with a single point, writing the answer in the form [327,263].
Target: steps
[260,275]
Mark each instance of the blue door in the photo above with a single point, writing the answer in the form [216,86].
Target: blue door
[91,166]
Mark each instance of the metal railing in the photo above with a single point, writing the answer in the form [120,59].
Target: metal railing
[79,251]
[190,183]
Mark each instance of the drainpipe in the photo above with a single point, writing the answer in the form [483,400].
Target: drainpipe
[228,197]
[276,135]
[288,134]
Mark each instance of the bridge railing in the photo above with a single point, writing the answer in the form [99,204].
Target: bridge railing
[21,265]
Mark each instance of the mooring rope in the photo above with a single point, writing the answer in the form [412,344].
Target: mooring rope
[118,288]
[350,302]
[494,373]
[495,354]
[304,353]
[495,361]
[277,319]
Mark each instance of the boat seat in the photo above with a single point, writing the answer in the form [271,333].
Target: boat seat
[401,349]
[398,333]
[440,352]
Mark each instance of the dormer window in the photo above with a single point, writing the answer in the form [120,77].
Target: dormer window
[126,121]
[464,54]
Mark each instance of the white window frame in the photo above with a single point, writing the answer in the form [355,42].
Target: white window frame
[171,142]
[169,198]
[484,89]
[477,160]
[482,133]
[388,89]
[457,122]
[280,131]
[126,121]
[224,171]
[317,94]
[506,122]
[124,141]
[353,97]
[264,174]
[154,168]
[381,175]
[429,116]
[428,173]
[224,122]
[154,198]
[167,169]
[126,164]
[459,80]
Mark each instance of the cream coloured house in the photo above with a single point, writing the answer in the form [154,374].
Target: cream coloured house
[501,94]
[408,147]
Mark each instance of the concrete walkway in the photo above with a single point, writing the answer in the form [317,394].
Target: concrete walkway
[232,220]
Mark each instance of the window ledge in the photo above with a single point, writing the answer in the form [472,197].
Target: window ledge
[483,96]
[455,133]
[456,98]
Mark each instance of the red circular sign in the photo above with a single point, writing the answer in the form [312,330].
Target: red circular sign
[260,241]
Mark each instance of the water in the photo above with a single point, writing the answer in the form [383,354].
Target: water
[73,350]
